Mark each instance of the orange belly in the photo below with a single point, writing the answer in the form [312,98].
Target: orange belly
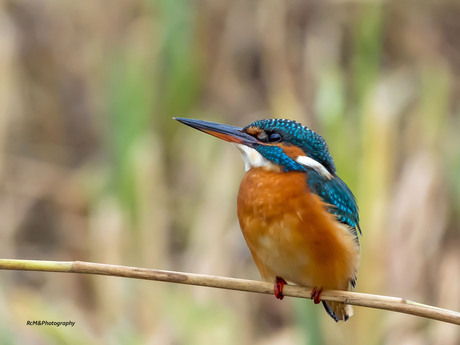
[290,233]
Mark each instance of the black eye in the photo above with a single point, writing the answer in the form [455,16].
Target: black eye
[274,137]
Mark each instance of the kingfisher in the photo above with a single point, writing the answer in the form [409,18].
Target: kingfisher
[299,219]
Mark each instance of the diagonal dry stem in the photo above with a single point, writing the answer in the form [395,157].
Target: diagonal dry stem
[361,299]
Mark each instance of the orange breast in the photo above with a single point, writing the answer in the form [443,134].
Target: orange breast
[291,234]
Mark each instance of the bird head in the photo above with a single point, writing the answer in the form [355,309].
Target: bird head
[275,144]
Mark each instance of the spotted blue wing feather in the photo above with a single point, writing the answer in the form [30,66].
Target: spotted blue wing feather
[339,197]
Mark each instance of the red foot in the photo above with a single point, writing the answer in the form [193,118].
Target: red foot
[316,295]
[279,284]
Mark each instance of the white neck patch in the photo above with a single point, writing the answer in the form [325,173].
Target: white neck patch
[253,159]
[311,163]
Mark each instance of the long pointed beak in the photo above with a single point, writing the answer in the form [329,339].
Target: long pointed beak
[228,133]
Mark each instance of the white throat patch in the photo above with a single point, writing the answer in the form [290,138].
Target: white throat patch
[253,159]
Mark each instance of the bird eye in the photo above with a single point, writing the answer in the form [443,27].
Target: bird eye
[274,137]
[269,137]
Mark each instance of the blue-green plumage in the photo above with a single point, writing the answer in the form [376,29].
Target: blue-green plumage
[336,193]
[298,135]
[276,155]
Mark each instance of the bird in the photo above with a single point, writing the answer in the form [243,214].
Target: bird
[299,219]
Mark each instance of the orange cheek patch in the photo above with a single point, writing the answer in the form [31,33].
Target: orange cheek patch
[291,150]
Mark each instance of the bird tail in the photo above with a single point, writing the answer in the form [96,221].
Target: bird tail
[338,311]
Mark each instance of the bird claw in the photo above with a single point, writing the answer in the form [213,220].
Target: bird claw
[278,288]
[316,295]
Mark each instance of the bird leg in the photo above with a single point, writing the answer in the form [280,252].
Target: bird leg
[279,284]
[316,295]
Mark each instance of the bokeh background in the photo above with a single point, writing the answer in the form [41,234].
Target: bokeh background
[93,168]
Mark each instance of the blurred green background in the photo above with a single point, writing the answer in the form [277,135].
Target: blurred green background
[93,168]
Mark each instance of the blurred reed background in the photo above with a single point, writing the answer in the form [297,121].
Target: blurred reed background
[92,167]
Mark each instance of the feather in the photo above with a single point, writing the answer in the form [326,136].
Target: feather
[335,193]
